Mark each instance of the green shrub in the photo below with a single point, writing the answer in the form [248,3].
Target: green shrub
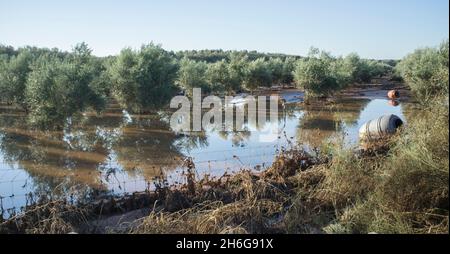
[426,71]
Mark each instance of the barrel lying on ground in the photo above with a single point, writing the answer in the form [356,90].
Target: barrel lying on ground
[379,128]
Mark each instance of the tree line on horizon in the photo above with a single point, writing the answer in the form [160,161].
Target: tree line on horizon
[51,85]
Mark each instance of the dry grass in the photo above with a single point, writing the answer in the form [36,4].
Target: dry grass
[242,203]
[213,218]
[52,217]
[405,191]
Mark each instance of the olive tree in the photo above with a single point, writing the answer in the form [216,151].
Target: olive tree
[364,70]
[426,71]
[13,76]
[92,72]
[275,66]
[57,89]
[192,74]
[124,79]
[7,51]
[257,74]
[217,76]
[143,80]
[237,70]
[315,74]
[287,76]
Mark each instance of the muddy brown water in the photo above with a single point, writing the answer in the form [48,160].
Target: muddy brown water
[117,153]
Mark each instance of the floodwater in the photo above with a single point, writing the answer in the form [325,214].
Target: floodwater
[116,153]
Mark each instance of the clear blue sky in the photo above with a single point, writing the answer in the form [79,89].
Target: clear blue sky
[373,28]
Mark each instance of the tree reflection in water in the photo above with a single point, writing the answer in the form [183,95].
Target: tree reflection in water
[320,122]
[89,153]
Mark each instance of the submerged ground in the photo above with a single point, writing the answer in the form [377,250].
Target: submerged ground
[305,191]
[119,153]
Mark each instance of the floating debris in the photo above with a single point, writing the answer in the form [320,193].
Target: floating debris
[393,94]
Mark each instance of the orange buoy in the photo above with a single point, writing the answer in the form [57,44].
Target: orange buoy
[393,94]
